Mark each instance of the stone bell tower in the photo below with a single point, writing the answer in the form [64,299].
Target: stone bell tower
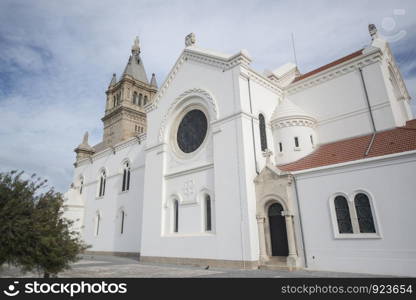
[125,116]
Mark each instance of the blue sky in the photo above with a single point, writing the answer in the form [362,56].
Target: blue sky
[57,57]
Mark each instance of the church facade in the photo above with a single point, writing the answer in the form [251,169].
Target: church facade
[225,166]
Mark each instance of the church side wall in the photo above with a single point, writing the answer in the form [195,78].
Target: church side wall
[340,105]
[109,238]
[389,182]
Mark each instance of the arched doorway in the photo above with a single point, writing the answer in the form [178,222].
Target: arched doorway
[278,235]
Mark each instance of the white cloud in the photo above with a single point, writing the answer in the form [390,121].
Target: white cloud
[57,57]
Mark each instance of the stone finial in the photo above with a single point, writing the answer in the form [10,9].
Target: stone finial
[113,80]
[267,154]
[190,39]
[84,150]
[85,138]
[372,29]
[153,81]
[135,49]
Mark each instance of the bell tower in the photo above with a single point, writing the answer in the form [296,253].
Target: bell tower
[125,116]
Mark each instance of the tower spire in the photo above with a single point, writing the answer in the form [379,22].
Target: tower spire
[135,67]
[135,49]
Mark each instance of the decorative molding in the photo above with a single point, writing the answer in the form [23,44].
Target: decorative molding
[223,63]
[197,92]
[190,171]
[247,72]
[334,72]
[289,122]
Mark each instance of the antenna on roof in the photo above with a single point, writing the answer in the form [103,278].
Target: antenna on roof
[294,50]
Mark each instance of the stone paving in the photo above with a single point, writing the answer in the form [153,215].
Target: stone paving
[111,266]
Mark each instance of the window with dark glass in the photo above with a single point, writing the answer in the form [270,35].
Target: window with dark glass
[280,147]
[311,139]
[208,222]
[122,222]
[343,215]
[81,185]
[140,99]
[145,100]
[192,131]
[97,228]
[135,98]
[175,216]
[263,135]
[126,177]
[101,190]
[296,142]
[364,214]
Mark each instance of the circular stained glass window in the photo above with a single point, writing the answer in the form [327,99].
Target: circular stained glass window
[192,131]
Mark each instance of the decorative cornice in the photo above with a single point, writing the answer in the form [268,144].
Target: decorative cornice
[113,150]
[392,63]
[247,72]
[223,63]
[334,72]
[289,122]
[189,93]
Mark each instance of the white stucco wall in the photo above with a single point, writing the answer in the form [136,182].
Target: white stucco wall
[390,182]
[109,206]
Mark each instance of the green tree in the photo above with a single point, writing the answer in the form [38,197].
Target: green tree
[34,235]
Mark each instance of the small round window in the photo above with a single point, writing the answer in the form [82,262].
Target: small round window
[192,131]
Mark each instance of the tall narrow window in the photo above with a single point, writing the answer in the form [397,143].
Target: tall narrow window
[175,216]
[296,141]
[343,215]
[97,224]
[311,136]
[81,184]
[145,100]
[208,221]
[364,214]
[263,136]
[114,101]
[140,99]
[126,177]
[135,98]
[280,147]
[122,222]
[101,190]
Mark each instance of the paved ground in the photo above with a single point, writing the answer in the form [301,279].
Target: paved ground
[111,266]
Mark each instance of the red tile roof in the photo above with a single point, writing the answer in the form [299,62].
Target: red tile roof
[330,65]
[392,141]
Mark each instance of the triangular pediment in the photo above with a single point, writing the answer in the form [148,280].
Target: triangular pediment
[269,173]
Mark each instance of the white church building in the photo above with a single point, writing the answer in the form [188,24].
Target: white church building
[225,166]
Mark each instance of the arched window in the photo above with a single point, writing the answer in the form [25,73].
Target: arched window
[114,101]
[101,190]
[135,98]
[343,215]
[263,136]
[145,100]
[208,217]
[140,99]
[81,184]
[364,213]
[175,216]
[122,216]
[97,223]
[126,177]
